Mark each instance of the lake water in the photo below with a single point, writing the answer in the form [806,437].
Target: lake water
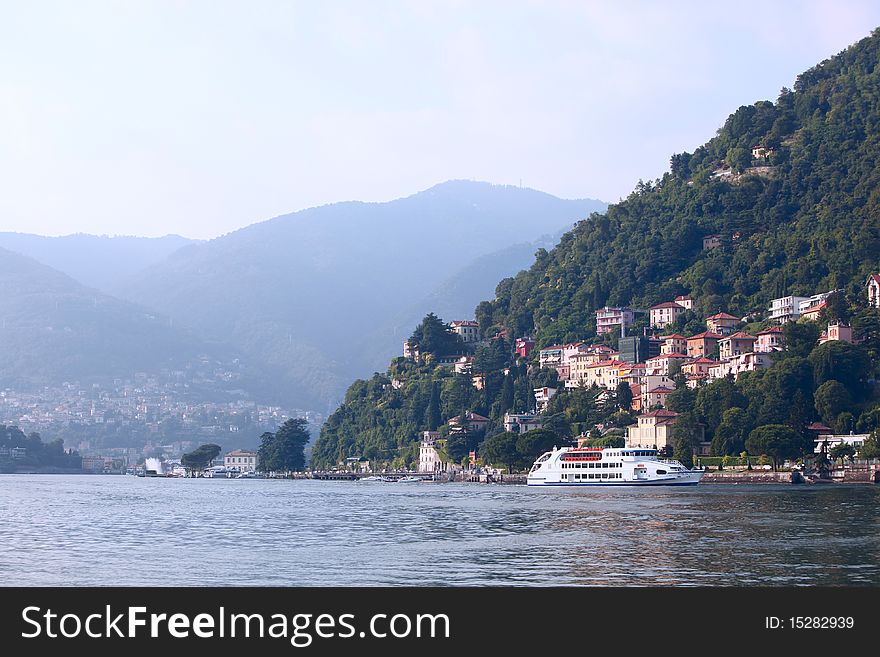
[122,530]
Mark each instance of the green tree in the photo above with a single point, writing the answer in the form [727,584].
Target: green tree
[432,416]
[778,441]
[685,438]
[434,337]
[730,436]
[800,338]
[532,444]
[843,451]
[623,396]
[501,449]
[871,447]
[844,362]
[284,450]
[200,458]
[831,399]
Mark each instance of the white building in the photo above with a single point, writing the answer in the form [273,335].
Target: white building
[543,397]
[521,422]
[241,461]
[854,439]
[786,309]
[607,319]
[468,329]
[429,459]
[664,314]
[873,285]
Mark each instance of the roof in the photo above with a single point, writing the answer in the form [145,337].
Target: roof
[700,360]
[663,413]
[875,278]
[683,297]
[662,356]
[772,329]
[722,316]
[818,426]
[667,304]
[708,335]
[674,336]
[661,390]
[739,335]
[241,452]
[463,322]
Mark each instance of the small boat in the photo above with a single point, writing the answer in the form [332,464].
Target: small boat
[409,479]
[373,478]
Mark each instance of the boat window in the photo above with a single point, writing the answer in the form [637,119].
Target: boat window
[661,471]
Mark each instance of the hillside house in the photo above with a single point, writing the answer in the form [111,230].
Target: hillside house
[814,312]
[736,345]
[736,365]
[711,242]
[770,339]
[873,286]
[521,422]
[524,346]
[837,331]
[468,329]
[673,344]
[664,362]
[722,323]
[470,422]
[703,344]
[543,397]
[608,319]
[786,309]
[697,367]
[664,314]
[685,302]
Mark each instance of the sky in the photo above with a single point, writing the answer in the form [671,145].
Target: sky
[197,118]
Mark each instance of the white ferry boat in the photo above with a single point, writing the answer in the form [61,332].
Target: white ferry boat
[609,466]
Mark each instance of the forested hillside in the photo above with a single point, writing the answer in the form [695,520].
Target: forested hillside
[791,189]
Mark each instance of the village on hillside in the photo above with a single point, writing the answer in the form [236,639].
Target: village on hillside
[649,364]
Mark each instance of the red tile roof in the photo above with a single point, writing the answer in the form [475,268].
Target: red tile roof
[667,304]
[660,413]
[739,335]
[722,316]
[707,335]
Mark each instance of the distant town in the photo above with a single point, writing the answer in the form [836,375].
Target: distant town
[118,425]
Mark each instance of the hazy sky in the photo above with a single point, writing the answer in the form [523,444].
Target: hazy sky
[198,118]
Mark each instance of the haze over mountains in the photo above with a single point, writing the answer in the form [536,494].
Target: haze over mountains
[308,300]
[95,261]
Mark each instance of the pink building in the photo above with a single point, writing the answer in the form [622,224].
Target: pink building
[770,339]
[837,331]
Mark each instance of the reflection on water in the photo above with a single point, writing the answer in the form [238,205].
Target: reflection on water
[113,530]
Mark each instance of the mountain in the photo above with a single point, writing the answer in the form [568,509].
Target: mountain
[802,218]
[453,298]
[95,261]
[302,290]
[53,329]
[790,193]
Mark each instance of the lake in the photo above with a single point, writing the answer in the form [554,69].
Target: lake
[123,530]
